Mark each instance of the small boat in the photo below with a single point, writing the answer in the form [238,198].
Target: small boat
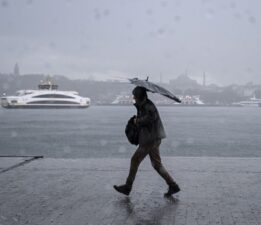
[47,96]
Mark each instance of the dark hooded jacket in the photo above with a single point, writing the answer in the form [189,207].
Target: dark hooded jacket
[149,123]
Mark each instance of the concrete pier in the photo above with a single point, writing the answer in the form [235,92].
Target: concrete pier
[79,192]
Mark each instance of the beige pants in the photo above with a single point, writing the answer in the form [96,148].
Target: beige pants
[153,151]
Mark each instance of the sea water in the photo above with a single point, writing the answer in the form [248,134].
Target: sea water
[99,132]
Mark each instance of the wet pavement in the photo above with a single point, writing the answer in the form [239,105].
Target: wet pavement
[79,192]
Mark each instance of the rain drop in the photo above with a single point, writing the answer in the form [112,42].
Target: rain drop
[97,14]
[52,45]
[233,5]
[3,217]
[252,19]
[237,16]
[149,12]
[168,55]
[160,31]
[15,219]
[177,18]
[164,4]
[129,26]
[249,70]
[4,4]
[106,12]
[29,2]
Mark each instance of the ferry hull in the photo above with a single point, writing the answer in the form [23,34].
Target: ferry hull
[45,106]
[46,97]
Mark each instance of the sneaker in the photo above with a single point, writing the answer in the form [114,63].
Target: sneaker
[124,189]
[173,189]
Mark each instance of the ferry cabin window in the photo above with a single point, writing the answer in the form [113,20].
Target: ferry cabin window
[53,102]
[52,96]
[48,86]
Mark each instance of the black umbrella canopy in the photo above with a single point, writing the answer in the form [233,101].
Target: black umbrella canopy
[154,88]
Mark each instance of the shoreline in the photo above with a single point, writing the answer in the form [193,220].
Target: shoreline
[177,105]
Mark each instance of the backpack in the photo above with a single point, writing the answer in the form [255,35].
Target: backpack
[132,132]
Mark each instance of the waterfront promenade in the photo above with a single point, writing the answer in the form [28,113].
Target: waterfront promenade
[79,192]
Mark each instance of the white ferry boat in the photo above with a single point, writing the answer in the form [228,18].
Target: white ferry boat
[191,100]
[123,100]
[195,100]
[253,102]
[47,96]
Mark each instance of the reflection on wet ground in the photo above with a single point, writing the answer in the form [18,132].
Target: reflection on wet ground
[149,212]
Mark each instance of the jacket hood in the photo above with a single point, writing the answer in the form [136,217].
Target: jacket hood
[140,94]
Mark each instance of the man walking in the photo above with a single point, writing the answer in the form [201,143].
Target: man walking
[151,131]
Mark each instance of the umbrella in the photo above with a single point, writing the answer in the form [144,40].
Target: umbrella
[154,88]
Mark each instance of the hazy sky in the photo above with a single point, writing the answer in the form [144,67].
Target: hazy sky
[126,38]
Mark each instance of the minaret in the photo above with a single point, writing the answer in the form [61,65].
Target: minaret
[16,70]
[204,79]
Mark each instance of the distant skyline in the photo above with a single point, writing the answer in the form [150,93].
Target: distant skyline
[122,38]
